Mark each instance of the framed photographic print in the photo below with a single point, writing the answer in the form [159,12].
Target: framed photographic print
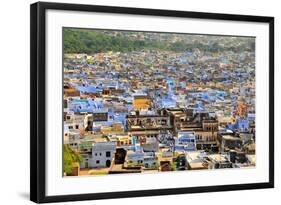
[129,102]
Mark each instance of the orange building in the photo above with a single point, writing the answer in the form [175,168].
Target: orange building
[71,92]
[242,109]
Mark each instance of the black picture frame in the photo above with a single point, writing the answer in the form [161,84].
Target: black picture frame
[38,100]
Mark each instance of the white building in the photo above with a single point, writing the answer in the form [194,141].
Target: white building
[72,138]
[102,154]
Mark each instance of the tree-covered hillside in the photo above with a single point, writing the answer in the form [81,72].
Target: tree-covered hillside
[94,41]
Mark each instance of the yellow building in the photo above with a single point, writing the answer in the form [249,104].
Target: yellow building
[141,102]
[123,140]
[116,128]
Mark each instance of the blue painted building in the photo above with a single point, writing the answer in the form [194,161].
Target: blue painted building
[185,141]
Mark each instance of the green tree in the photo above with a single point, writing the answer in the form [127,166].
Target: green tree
[174,166]
[69,157]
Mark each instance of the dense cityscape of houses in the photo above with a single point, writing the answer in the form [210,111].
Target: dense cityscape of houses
[156,110]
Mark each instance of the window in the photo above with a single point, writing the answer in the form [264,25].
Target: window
[98,161]
[107,154]
[96,154]
[76,126]
[68,117]
[100,154]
